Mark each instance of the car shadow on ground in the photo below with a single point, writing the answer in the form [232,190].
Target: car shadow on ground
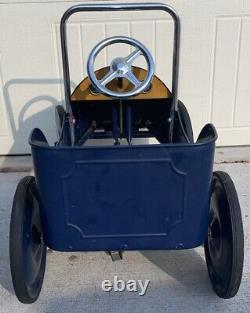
[21,118]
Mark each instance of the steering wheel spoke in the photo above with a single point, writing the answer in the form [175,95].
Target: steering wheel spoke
[108,78]
[131,77]
[133,56]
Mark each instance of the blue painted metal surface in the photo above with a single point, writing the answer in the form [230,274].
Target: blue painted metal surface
[124,197]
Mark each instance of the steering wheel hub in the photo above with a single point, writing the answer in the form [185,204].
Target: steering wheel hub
[120,66]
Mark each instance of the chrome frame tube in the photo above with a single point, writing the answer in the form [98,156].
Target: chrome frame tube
[119,7]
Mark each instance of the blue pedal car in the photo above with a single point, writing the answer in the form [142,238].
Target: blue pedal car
[104,186]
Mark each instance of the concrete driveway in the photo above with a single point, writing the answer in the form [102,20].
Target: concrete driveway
[178,280]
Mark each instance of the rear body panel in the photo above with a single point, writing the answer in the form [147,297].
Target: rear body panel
[124,198]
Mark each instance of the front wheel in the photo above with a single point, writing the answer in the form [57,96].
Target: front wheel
[224,248]
[183,131]
[59,118]
[27,249]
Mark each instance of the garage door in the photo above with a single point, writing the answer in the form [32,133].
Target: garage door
[215,62]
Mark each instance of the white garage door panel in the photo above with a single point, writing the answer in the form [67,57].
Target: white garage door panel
[215,62]
[230,105]
[227,37]
[242,109]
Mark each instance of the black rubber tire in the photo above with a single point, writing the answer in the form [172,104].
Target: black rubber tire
[186,124]
[27,249]
[59,117]
[186,121]
[224,248]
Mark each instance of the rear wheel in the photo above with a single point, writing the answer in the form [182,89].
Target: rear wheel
[224,248]
[27,249]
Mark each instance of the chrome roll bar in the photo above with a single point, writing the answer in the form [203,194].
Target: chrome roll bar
[119,7]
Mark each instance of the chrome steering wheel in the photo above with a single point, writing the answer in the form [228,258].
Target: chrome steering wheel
[121,67]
